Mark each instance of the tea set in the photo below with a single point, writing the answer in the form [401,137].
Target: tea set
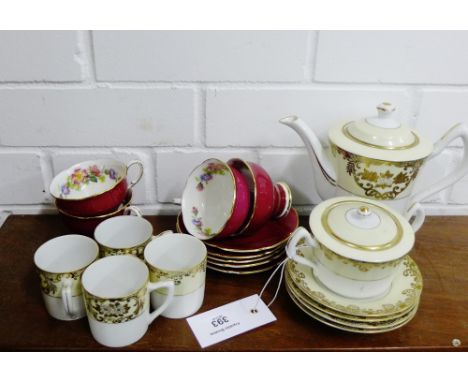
[352,272]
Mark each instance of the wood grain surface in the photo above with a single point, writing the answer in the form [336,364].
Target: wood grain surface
[441,251]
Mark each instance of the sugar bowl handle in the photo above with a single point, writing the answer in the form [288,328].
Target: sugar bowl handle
[291,248]
[416,216]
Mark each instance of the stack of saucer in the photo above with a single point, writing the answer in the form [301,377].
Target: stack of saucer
[247,254]
[380,314]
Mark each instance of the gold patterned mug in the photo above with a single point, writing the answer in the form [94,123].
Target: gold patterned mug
[60,263]
[116,293]
[123,235]
[181,258]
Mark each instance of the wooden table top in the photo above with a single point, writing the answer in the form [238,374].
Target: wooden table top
[441,252]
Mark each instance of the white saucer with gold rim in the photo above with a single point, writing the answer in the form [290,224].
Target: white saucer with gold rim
[403,294]
[352,322]
[349,328]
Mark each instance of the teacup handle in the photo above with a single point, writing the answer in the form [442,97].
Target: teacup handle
[167,232]
[416,211]
[67,297]
[140,172]
[167,284]
[136,211]
[460,130]
[291,248]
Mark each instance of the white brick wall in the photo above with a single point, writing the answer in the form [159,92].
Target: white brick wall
[173,99]
[200,56]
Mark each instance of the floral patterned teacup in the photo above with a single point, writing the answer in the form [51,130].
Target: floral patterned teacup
[94,187]
[181,258]
[215,200]
[60,263]
[116,293]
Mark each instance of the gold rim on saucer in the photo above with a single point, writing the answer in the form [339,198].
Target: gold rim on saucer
[231,250]
[349,322]
[228,256]
[245,272]
[248,265]
[335,313]
[244,259]
[347,328]
[404,293]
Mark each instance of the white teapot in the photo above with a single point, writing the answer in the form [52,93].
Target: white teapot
[378,158]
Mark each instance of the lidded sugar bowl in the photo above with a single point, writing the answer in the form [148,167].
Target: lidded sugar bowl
[357,244]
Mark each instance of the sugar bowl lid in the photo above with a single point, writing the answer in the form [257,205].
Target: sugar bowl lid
[381,137]
[361,229]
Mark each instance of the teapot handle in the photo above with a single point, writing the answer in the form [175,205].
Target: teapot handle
[460,130]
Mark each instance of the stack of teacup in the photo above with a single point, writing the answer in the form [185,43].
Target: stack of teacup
[244,218]
[90,192]
[136,270]
[114,278]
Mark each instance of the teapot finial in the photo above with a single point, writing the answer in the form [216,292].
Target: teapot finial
[384,118]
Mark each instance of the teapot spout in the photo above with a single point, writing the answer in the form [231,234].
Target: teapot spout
[321,163]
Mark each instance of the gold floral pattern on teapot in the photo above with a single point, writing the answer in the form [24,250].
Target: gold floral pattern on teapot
[378,179]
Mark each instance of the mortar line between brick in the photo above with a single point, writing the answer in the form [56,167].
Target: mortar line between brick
[47,170]
[199,120]
[311,53]
[91,57]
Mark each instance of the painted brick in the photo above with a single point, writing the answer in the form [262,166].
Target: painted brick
[65,159]
[39,56]
[173,168]
[22,181]
[294,168]
[96,117]
[249,117]
[440,110]
[200,55]
[392,56]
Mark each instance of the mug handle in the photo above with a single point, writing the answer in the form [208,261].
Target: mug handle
[67,297]
[416,212]
[460,130]
[167,284]
[291,247]
[136,211]
[140,172]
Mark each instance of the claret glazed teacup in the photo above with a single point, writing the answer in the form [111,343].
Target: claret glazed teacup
[94,187]
[181,258]
[123,235]
[60,263]
[267,199]
[358,245]
[116,292]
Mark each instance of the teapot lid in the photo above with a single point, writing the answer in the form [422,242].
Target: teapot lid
[362,230]
[381,137]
